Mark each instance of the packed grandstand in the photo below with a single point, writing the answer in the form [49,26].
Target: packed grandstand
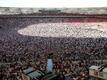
[76,43]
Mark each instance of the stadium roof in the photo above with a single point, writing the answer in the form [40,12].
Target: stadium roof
[66,6]
[13,10]
[53,3]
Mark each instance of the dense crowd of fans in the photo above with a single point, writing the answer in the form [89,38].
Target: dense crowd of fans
[72,56]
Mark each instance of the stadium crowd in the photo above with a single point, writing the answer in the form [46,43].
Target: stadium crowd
[72,57]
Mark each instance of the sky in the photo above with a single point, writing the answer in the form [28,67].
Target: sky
[53,3]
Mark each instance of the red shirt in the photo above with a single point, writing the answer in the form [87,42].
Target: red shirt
[105,65]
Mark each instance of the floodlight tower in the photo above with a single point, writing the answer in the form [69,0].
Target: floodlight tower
[50,62]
